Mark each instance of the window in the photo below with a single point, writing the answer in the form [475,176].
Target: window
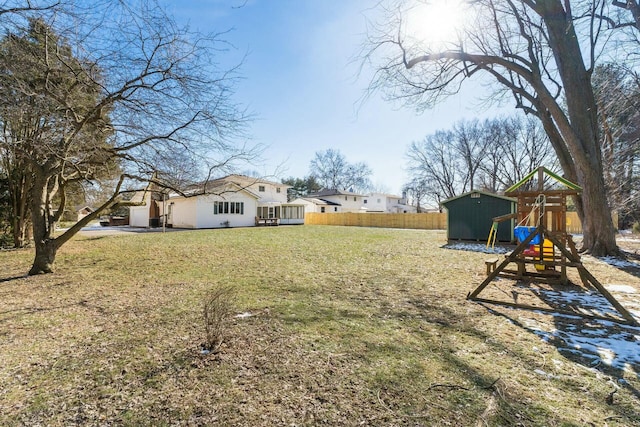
[292,212]
[261,188]
[365,201]
[268,211]
[278,190]
[475,195]
[346,198]
[335,209]
[236,208]
[378,200]
[321,209]
[354,199]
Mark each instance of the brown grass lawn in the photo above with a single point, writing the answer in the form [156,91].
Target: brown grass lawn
[341,326]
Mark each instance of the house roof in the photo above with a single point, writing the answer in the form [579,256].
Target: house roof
[391,196]
[325,192]
[318,202]
[245,181]
[138,196]
[217,187]
[497,196]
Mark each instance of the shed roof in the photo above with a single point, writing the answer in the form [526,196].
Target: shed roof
[484,193]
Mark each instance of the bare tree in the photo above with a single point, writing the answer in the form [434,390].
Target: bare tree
[618,95]
[499,137]
[533,50]
[436,163]
[493,154]
[472,144]
[108,88]
[331,169]
[417,191]
[633,7]
[11,167]
[521,147]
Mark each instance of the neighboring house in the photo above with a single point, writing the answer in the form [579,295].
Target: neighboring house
[329,201]
[317,205]
[84,211]
[232,201]
[75,214]
[387,203]
[342,201]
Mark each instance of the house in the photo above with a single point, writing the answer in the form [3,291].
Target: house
[317,205]
[331,201]
[470,216]
[231,201]
[335,201]
[387,203]
[148,213]
[84,211]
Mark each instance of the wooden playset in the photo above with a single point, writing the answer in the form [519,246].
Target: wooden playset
[545,250]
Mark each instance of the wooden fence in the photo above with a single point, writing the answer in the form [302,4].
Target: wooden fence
[575,227]
[424,221]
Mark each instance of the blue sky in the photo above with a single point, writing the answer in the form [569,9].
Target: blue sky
[301,82]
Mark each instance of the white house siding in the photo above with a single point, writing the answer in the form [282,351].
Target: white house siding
[347,203]
[207,219]
[182,212]
[379,202]
[270,193]
[376,203]
[315,205]
[198,211]
[139,216]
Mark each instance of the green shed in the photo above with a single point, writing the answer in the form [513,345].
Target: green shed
[470,216]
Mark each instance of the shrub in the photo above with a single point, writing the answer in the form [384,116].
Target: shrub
[218,307]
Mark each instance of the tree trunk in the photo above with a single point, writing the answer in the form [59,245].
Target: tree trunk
[45,256]
[598,230]
[46,245]
[19,229]
[580,132]
[18,190]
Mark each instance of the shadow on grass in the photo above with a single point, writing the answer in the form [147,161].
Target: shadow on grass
[508,408]
[10,279]
[602,345]
[18,312]
[483,391]
[93,238]
[624,264]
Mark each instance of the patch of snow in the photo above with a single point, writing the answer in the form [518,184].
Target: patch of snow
[598,341]
[541,372]
[628,235]
[477,247]
[243,315]
[617,262]
[624,289]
